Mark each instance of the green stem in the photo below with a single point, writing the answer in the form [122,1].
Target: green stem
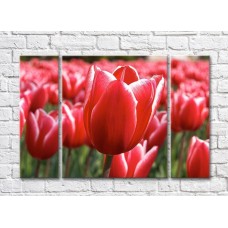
[87,163]
[47,169]
[36,175]
[180,163]
[107,165]
[67,170]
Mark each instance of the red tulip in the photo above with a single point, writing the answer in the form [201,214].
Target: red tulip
[187,113]
[118,108]
[72,85]
[74,134]
[23,104]
[41,135]
[198,158]
[157,130]
[39,98]
[52,91]
[133,164]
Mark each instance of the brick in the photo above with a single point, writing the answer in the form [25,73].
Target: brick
[198,185]
[104,185]
[175,33]
[135,185]
[16,113]
[139,53]
[223,114]
[210,33]
[168,185]
[108,42]
[12,42]
[219,156]
[5,56]
[5,171]
[5,113]
[214,114]
[13,85]
[71,33]
[223,86]
[4,142]
[219,71]
[3,85]
[33,185]
[9,70]
[35,32]
[5,33]
[54,186]
[218,128]
[11,185]
[213,142]
[4,157]
[37,42]
[9,127]
[218,184]
[219,99]
[109,52]
[141,33]
[134,42]
[14,155]
[26,52]
[177,43]
[16,171]
[98,33]
[15,141]
[208,43]
[223,142]
[6,185]
[213,86]
[8,99]
[73,42]
[157,42]
[222,170]
[76,186]
[223,57]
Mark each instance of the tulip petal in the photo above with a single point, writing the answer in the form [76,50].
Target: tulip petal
[118,166]
[143,168]
[158,137]
[32,133]
[144,93]
[127,74]
[50,143]
[189,115]
[39,98]
[113,119]
[96,84]
[198,159]
[160,83]
[135,156]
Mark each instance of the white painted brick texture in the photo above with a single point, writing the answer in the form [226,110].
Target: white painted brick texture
[15,44]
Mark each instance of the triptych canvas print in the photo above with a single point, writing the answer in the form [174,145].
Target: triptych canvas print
[113,116]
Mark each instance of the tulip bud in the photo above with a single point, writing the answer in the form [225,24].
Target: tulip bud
[74,134]
[135,163]
[41,135]
[198,158]
[187,113]
[157,130]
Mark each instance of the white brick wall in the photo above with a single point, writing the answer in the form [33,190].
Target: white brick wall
[14,44]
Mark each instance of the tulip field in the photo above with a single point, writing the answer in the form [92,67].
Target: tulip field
[190,118]
[114,117]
